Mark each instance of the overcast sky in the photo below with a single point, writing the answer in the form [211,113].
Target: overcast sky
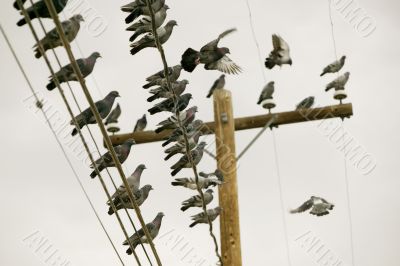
[41,198]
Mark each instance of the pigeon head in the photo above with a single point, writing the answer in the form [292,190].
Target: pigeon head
[160,214]
[343,58]
[141,167]
[114,94]
[222,76]
[224,50]
[178,67]
[78,18]
[148,187]
[95,55]
[210,191]
[185,81]
[290,61]
[347,74]
[218,209]
[144,117]
[166,7]
[130,142]
[171,23]
[201,145]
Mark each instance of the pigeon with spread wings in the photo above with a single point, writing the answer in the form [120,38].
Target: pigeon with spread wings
[280,55]
[318,206]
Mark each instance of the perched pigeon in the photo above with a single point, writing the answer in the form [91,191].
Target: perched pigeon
[103,107]
[178,88]
[106,160]
[140,237]
[190,183]
[196,201]
[186,118]
[141,124]
[184,162]
[114,115]
[217,173]
[306,103]
[41,10]
[267,92]
[144,25]
[148,40]
[142,9]
[319,206]
[280,55]
[159,77]
[180,147]
[177,134]
[52,39]
[334,67]
[339,82]
[201,218]
[124,202]
[133,181]
[66,73]
[218,84]
[168,105]
[213,57]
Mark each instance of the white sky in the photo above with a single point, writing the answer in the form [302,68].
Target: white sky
[41,195]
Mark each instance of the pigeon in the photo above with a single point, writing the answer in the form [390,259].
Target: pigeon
[39,9]
[123,201]
[196,201]
[168,105]
[140,237]
[213,57]
[217,173]
[190,183]
[144,25]
[66,73]
[306,103]
[339,82]
[142,9]
[177,134]
[267,92]
[159,77]
[280,55]
[106,160]
[178,88]
[186,118]
[180,147]
[184,162]
[52,39]
[319,206]
[334,67]
[16,5]
[218,84]
[201,218]
[102,106]
[114,115]
[133,181]
[148,40]
[141,124]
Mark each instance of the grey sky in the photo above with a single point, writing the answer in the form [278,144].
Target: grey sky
[40,193]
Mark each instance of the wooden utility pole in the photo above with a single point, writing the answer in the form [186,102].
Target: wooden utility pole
[228,192]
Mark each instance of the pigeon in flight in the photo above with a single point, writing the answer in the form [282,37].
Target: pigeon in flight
[41,9]
[212,56]
[218,84]
[140,124]
[190,182]
[114,115]
[140,237]
[196,201]
[168,105]
[306,103]
[142,9]
[186,117]
[177,134]
[184,162]
[178,88]
[124,202]
[159,77]
[339,82]
[52,39]
[334,67]
[106,160]
[267,92]
[280,55]
[102,106]
[66,73]
[318,206]
[201,218]
[180,147]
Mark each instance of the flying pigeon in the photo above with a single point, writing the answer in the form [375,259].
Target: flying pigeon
[177,134]
[123,201]
[144,25]
[280,55]
[168,105]
[180,147]
[106,160]
[306,103]
[184,162]
[52,39]
[218,84]
[159,77]
[267,92]
[334,67]
[148,40]
[140,237]
[196,201]
[142,9]
[201,218]
[102,106]
[140,124]
[178,88]
[41,9]
[67,73]
[186,117]
[213,57]
[217,173]
[319,206]
[114,115]
[339,82]
[190,183]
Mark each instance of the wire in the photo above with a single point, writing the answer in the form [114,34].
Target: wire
[332,28]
